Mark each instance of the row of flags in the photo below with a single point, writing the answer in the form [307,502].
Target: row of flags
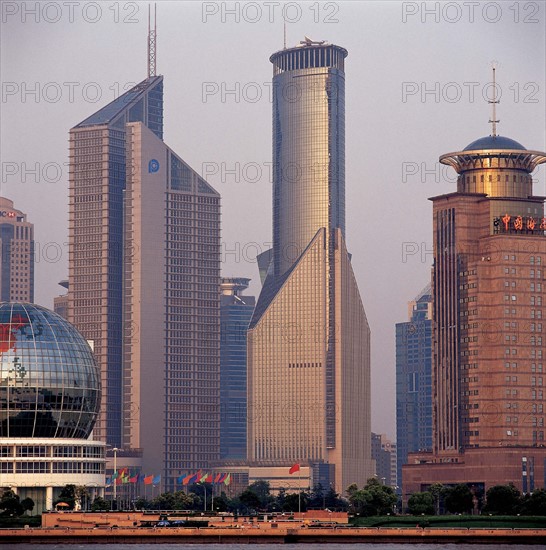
[205,477]
[125,475]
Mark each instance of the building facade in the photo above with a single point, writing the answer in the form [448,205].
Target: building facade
[17,249]
[488,354]
[144,271]
[414,380]
[309,339]
[235,313]
[384,454]
[97,174]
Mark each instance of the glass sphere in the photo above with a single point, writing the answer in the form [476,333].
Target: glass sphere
[49,381]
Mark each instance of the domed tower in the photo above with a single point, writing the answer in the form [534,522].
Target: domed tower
[489,322]
[49,402]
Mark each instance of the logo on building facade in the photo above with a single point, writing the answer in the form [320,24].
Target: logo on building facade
[153,166]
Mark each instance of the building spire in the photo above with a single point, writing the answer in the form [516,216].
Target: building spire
[493,120]
[152,35]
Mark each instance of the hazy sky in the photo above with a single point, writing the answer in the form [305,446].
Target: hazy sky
[417,81]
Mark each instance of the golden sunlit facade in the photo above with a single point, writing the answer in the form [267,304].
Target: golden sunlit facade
[488,331]
[308,342]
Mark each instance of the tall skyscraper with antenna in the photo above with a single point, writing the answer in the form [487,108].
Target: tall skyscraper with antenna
[144,270]
[489,341]
[309,339]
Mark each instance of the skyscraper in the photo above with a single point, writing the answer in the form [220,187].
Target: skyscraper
[488,328]
[413,379]
[309,340]
[97,173]
[171,308]
[235,313]
[144,269]
[17,249]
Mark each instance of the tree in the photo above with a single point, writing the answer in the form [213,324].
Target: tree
[437,491]
[502,499]
[10,504]
[458,499]
[250,499]
[81,494]
[421,503]
[374,499]
[100,505]
[534,504]
[27,504]
[68,495]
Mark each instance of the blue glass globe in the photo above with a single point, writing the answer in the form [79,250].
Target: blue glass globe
[49,381]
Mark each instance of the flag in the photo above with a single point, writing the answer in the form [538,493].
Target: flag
[119,481]
[157,479]
[203,478]
[148,480]
[209,478]
[227,481]
[133,479]
[141,478]
[108,481]
[115,475]
[217,478]
[180,479]
[294,469]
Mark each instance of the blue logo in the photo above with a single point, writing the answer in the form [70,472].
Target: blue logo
[153,166]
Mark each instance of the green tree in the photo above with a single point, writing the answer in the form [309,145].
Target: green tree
[10,504]
[250,500]
[437,491]
[68,495]
[27,504]
[374,499]
[502,499]
[421,503]
[458,499]
[534,504]
[100,505]
[294,501]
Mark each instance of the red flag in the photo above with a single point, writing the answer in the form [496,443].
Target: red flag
[294,469]
[148,480]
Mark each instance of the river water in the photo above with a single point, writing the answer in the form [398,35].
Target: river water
[358,546]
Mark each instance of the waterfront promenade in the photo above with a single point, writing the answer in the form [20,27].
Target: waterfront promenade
[267,534]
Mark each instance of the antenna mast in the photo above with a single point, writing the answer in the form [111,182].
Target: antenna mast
[493,120]
[285,34]
[152,35]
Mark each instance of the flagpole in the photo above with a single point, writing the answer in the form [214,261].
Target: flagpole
[299,490]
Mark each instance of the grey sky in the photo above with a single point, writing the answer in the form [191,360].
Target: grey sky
[390,136]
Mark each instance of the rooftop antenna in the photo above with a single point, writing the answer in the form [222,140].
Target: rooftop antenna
[285,34]
[152,34]
[493,120]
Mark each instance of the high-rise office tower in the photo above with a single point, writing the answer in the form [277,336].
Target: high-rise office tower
[17,249]
[98,170]
[309,340]
[413,379]
[144,270]
[171,309]
[384,454]
[235,313]
[488,324]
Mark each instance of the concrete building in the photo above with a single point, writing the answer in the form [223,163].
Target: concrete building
[17,250]
[144,268]
[49,401]
[235,313]
[309,339]
[488,327]
[60,303]
[414,380]
[384,454]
